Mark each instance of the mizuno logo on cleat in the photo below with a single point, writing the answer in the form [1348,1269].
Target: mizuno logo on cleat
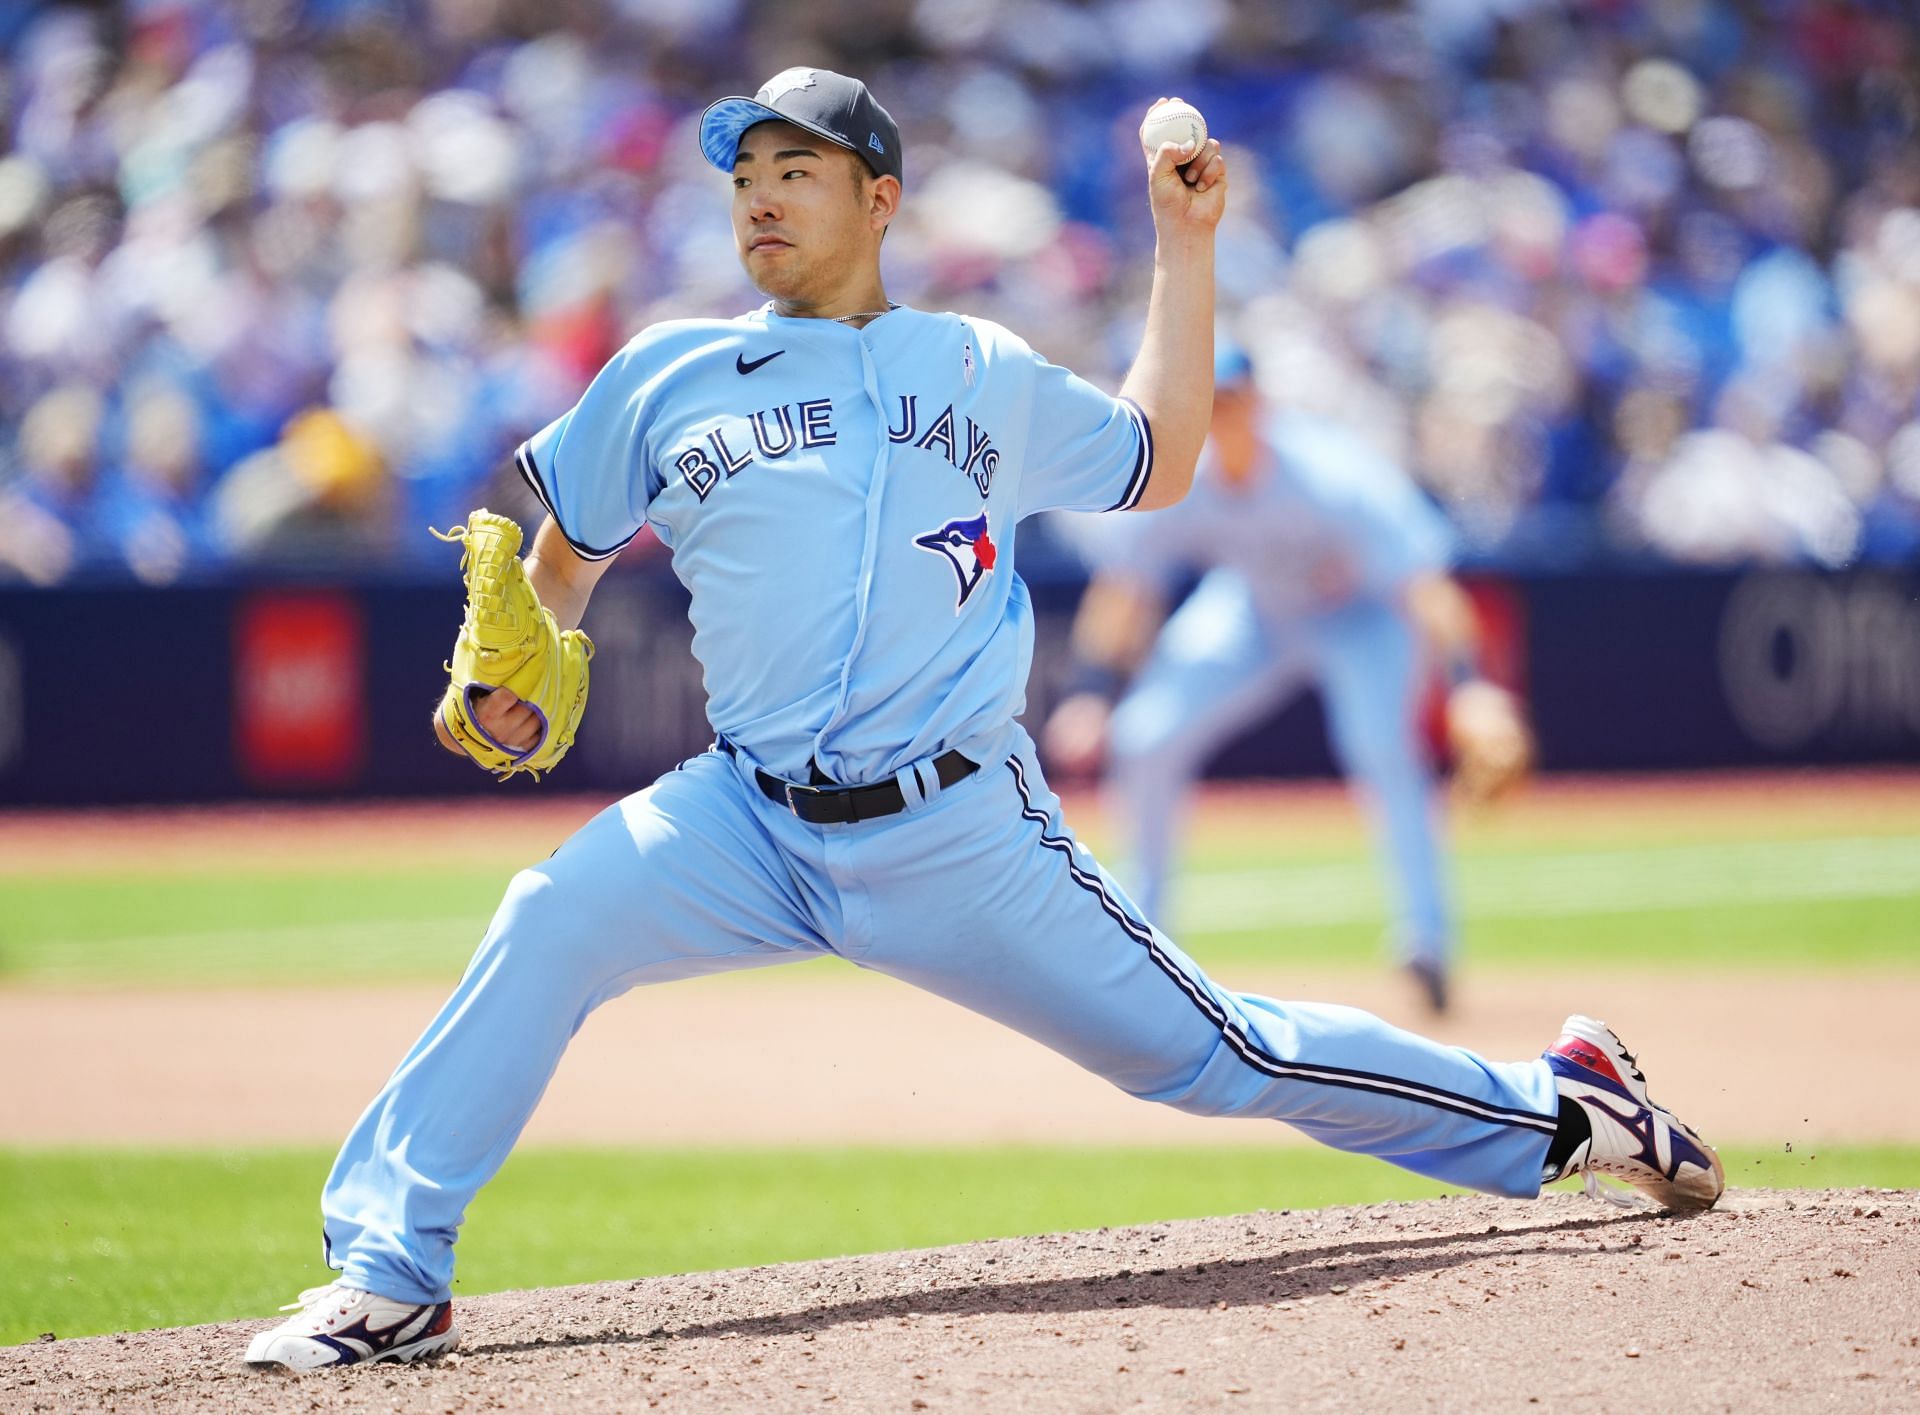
[740,361]
[1584,1053]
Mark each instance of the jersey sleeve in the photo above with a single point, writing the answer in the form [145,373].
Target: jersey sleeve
[589,467]
[1086,450]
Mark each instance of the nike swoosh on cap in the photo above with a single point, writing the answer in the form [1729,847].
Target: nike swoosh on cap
[740,361]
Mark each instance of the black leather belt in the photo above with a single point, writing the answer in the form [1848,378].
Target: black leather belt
[843,805]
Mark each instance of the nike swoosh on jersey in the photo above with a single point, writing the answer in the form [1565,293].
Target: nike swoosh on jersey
[740,361]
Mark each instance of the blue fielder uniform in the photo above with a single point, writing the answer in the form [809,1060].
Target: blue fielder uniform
[1305,567]
[842,504]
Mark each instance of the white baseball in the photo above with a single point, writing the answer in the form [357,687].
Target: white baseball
[1173,122]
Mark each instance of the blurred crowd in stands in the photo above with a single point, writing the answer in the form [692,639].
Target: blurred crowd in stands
[284,282]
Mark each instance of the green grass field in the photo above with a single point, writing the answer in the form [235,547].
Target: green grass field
[105,1240]
[1809,893]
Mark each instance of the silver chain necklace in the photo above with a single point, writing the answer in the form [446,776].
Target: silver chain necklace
[838,318]
[862,314]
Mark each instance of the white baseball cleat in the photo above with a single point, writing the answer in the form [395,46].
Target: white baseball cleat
[343,1326]
[1633,1138]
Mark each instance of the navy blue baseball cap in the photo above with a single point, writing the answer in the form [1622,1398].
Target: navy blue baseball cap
[831,105]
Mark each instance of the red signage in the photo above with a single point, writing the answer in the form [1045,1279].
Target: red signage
[300,716]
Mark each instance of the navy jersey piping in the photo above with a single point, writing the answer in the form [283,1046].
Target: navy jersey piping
[530,473]
[1242,1045]
[1142,461]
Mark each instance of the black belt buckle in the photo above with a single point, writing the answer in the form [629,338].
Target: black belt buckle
[846,805]
[823,805]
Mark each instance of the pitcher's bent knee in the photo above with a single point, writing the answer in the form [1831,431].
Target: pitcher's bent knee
[540,924]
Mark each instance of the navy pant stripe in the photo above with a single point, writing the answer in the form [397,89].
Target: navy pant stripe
[1244,1046]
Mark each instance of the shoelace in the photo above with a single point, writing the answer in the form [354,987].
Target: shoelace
[1607,1194]
[309,1297]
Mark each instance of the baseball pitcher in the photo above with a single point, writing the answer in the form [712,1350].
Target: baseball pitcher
[840,481]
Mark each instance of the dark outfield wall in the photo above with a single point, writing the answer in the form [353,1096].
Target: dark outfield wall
[135,695]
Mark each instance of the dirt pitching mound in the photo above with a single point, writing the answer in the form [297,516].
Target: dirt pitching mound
[1775,1300]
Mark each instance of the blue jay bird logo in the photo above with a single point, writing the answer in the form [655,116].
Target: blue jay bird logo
[967,547]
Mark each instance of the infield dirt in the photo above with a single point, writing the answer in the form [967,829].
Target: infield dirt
[1773,1301]
[869,1060]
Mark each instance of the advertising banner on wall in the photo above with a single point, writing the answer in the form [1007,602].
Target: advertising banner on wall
[299,689]
[208,693]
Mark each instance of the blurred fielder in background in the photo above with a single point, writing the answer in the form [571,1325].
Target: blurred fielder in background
[1321,563]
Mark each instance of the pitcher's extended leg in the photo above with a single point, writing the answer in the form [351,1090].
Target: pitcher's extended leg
[675,881]
[1042,940]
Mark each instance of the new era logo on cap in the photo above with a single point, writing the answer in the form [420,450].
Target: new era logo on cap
[830,105]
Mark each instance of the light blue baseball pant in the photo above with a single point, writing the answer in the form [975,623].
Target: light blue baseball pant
[1218,668]
[979,894]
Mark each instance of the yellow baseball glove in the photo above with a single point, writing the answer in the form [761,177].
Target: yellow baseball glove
[1493,748]
[510,640]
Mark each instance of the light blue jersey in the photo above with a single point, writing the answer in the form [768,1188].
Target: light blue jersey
[841,504]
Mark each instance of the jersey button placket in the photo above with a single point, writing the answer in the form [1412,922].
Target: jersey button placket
[870,542]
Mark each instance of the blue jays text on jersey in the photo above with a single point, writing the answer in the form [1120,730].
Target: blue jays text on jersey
[769,433]
[871,475]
